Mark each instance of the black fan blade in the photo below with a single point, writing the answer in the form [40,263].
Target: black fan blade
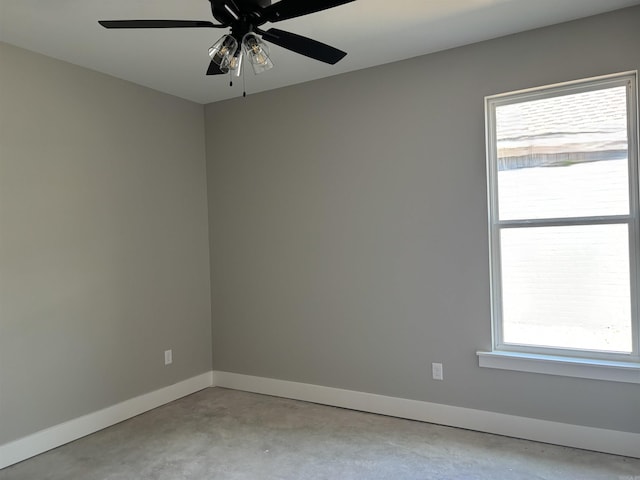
[156,24]
[214,69]
[286,9]
[304,46]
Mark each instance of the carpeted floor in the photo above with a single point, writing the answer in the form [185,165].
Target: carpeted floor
[232,435]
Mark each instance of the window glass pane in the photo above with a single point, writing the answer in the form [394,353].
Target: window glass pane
[567,287]
[563,156]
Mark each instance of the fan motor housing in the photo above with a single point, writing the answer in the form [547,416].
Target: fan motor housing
[249,11]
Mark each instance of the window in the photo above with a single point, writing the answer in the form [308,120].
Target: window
[563,213]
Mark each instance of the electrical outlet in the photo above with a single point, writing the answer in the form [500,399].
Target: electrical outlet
[436,371]
[168,357]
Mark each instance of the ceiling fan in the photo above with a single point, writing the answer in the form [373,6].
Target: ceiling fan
[244,18]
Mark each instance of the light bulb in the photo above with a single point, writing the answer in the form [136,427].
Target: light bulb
[235,64]
[260,58]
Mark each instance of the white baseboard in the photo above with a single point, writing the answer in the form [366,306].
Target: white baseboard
[588,438]
[39,442]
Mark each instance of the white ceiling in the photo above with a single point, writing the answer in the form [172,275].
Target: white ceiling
[174,61]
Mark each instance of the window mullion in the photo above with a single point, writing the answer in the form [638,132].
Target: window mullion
[560,222]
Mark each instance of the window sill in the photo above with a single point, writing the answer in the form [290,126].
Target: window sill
[627,372]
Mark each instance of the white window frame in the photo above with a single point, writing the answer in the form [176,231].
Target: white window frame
[549,360]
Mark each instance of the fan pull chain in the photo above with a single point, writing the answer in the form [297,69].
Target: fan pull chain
[244,87]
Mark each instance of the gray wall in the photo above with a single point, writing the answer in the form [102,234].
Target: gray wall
[348,226]
[103,241]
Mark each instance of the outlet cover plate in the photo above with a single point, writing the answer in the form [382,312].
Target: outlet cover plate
[436,371]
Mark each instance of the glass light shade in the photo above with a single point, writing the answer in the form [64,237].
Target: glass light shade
[258,53]
[235,64]
[223,51]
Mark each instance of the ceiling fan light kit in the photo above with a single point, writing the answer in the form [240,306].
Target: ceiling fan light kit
[228,55]
[244,19]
